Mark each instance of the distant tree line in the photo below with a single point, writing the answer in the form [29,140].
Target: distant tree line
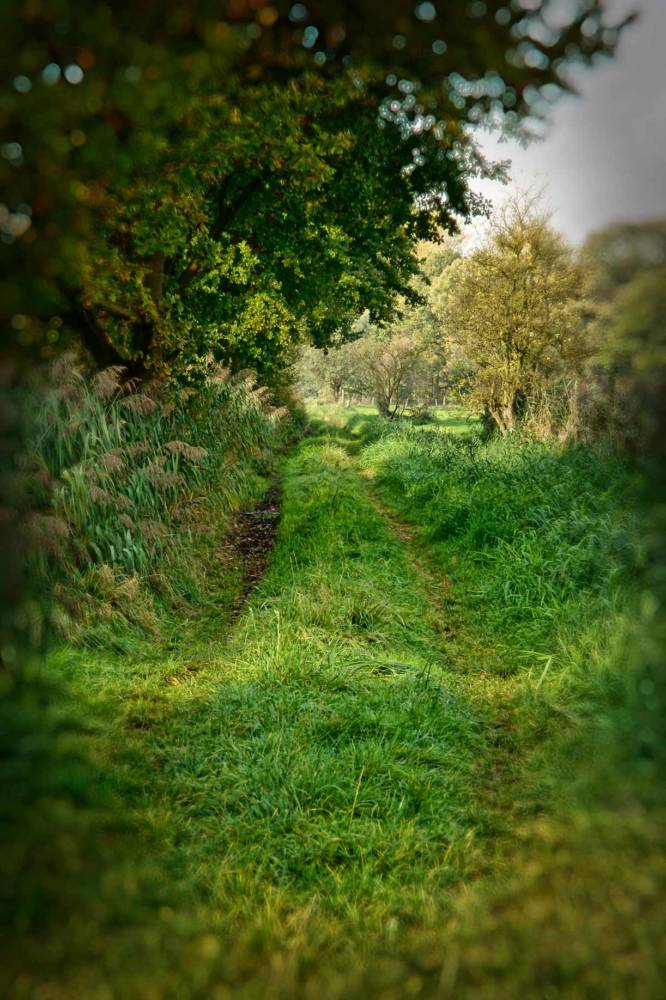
[524,328]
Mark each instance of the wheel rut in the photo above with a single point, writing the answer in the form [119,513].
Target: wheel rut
[252,541]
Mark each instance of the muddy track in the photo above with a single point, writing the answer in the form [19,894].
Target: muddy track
[253,539]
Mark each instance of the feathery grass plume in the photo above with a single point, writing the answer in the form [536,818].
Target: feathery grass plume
[246,377]
[189,451]
[119,465]
[160,478]
[139,403]
[278,413]
[220,375]
[263,394]
[112,462]
[65,377]
[108,383]
[47,532]
[100,496]
[136,449]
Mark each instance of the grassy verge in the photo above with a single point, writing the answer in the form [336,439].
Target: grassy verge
[120,482]
[540,547]
[540,539]
[357,790]
[454,419]
[260,810]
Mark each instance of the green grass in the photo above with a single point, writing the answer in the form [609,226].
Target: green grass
[369,784]
[542,552]
[118,482]
[453,419]
[306,787]
[540,538]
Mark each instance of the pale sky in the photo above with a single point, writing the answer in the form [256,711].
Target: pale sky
[604,157]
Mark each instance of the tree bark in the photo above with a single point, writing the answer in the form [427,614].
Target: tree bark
[154,280]
[93,336]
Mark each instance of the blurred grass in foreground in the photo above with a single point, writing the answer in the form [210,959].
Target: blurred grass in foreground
[426,760]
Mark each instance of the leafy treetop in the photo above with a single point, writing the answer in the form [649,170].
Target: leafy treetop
[191,179]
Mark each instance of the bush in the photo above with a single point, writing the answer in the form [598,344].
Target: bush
[421,415]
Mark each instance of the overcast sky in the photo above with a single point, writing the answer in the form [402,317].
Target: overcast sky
[604,157]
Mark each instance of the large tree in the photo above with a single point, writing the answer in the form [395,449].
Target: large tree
[201,177]
[256,245]
[515,308]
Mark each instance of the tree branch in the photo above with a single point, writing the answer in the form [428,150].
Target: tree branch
[115,309]
[154,280]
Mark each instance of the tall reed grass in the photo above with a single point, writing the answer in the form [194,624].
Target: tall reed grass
[123,475]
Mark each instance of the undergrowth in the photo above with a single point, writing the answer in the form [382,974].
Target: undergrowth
[124,479]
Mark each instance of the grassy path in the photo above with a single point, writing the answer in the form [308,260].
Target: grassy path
[298,797]
[304,801]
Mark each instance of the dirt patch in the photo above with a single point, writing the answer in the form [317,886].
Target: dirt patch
[252,539]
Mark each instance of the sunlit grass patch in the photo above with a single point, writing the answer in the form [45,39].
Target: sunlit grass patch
[539,536]
[424,760]
[305,786]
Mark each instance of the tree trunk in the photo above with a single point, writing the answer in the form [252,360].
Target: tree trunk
[382,407]
[507,414]
[502,416]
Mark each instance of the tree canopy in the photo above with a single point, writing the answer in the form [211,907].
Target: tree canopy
[516,308]
[619,252]
[233,179]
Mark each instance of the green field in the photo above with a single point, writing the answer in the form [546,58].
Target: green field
[455,419]
[422,761]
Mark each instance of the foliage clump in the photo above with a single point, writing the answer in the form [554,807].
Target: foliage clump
[123,476]
[516,309]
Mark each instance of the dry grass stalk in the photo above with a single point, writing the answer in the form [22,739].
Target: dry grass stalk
[47,532]
[65,376]
[152,531]
[220,375]
[193,453]
[262,393]
[139,404]
[123,502]
[108,382]
[246,377]
[105,577]
[112,461]
[128,589]
[159,477]
[137,450]
[100,496]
